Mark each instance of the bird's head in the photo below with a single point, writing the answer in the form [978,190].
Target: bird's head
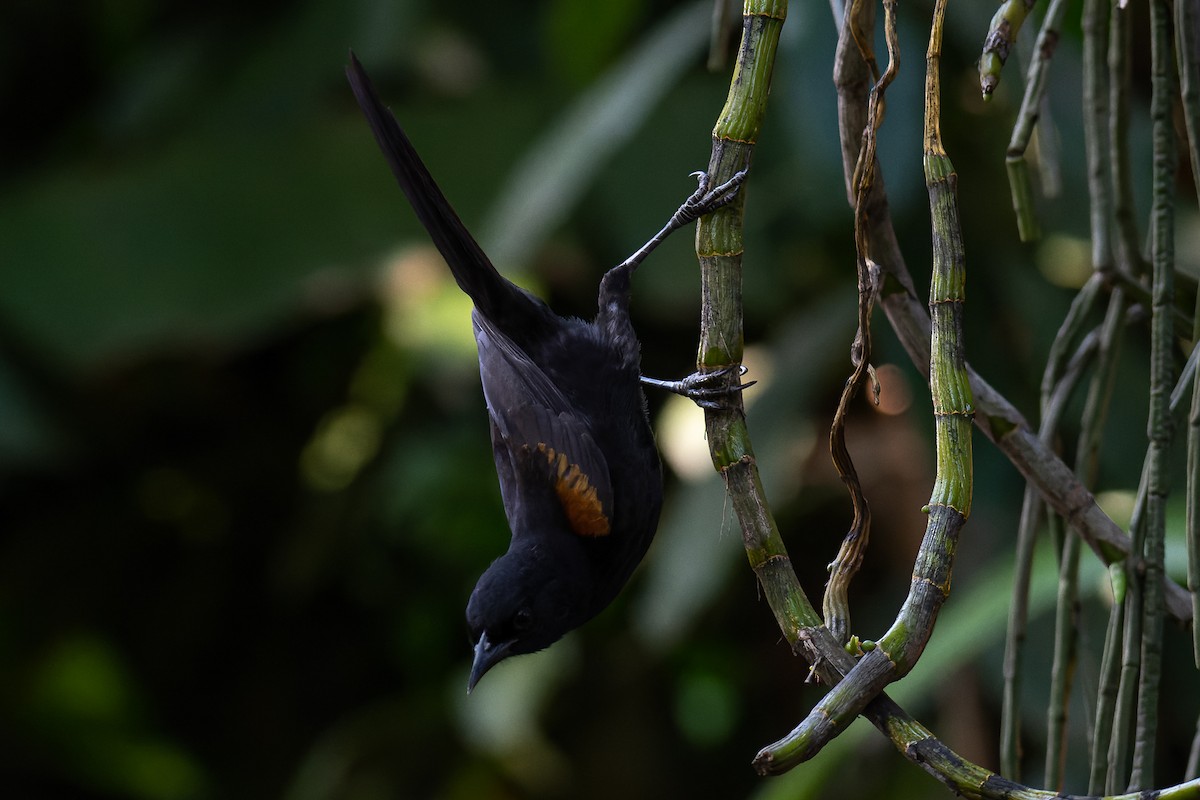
[524,602]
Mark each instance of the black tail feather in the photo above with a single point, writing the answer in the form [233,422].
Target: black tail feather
[492,294]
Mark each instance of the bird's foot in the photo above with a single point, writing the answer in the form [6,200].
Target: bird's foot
[707,199]
[703,201]
[706,389]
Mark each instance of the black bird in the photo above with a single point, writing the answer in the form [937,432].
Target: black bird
[579,472]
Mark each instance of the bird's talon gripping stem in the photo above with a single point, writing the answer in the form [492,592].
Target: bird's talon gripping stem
[698,387]
[704,200]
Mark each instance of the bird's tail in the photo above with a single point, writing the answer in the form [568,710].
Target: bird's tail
[492,294]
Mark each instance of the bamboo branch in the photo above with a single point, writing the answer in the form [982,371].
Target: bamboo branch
[719,247]
[1161,424]
[995,416]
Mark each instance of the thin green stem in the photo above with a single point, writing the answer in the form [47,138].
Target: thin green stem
[1032,508]
[1095,413]
[1054,406]
[1066,625]
[950,502]
[1031,104]
[1128,252]
[1160,427]
[1001,36]
[995,416]
[769,558]
[1120,743]
[1096,131]
[1110,677]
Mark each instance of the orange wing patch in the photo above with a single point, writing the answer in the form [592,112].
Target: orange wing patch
[577,495]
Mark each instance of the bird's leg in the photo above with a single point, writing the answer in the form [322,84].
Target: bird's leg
[613,298]
[705,389]
[703,201]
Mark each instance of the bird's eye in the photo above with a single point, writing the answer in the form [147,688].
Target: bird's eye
[522,619]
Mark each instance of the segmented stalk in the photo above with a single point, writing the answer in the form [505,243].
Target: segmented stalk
[950,503]
[1160,427]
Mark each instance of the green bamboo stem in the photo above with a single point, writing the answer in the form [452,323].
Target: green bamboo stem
[1031,104]
[1000,421]
[995,416]
[719,250]
[953,404]
[734,457]
[1160,425]
[950,502]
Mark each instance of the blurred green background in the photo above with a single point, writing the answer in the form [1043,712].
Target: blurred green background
[245,477]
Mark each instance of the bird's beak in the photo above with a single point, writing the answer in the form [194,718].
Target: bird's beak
[487,655]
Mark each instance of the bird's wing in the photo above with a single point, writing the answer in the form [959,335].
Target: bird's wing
[535,431]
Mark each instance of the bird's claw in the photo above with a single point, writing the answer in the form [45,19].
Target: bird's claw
[699,387]
[705,200]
